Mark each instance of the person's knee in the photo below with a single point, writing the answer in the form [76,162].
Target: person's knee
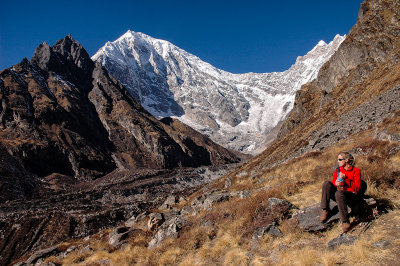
[339,194]
[326,185]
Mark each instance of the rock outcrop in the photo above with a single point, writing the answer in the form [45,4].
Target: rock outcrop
[371,44]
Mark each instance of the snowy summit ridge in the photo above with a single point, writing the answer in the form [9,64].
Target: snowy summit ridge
[235,110]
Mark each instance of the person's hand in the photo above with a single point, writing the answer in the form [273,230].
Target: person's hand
[343,176]
[337,183]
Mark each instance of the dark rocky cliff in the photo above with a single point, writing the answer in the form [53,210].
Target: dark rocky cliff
[371,47]
[62,113]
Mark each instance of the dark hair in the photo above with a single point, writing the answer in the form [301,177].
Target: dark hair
[349,157]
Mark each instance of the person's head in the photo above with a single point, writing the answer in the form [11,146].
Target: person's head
[345,158]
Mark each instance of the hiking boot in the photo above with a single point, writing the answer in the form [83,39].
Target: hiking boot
[346,227]
[324,216]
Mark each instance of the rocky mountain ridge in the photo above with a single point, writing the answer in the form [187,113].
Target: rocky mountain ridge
[63,108]
[235,110]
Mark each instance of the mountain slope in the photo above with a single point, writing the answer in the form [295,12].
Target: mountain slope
[355,90]
[235,110]
[62,113]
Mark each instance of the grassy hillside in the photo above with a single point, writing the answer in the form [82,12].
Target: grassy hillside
[227,239]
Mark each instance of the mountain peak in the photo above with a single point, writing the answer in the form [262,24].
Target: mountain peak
[230,108]
[67,58]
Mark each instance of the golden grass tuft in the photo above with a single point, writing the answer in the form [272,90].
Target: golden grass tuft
[236,256]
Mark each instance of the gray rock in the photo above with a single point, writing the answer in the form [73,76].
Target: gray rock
[182,199]
[168,203]
[117,235]
[86,249]
[341,240]
[278,207]
[274,231]
[131,222]
[214,198]
[104,262]
[271,229]
[242,174]
[168,229]
[41,254]
[171,214]
[243,194]
[155,219]
[228,182]
[382,243]
[186,210]
[308,218]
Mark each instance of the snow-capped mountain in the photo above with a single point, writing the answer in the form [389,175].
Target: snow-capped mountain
[234,110]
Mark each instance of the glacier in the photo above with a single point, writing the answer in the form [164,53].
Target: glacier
[236,111]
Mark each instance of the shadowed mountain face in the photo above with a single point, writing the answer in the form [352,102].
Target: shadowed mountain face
[62,113]
[78,151]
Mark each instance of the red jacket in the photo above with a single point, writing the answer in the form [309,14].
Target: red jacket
[353,179]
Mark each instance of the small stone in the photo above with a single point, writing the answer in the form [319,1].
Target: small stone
[242,174]
[382,243]
[341,240]
[228,182]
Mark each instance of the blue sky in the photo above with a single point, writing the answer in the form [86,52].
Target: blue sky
[236,36]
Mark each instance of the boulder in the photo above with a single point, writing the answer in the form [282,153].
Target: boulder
[308,218]
[155,219]
[271,211]
[214,198]
[271,229]
[278,206]
[168,229]
[168,203]
[117,235]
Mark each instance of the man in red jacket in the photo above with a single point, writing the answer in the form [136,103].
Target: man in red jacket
[343,189]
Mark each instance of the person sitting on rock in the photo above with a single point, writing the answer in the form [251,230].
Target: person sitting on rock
[343,189]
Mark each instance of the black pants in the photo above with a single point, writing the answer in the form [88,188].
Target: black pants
[342,198]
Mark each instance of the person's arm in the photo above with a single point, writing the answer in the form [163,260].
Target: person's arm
[356,184]
[334,178]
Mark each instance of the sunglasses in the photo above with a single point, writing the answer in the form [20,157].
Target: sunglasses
[341,159]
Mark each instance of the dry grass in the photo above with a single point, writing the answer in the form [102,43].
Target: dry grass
[227,241]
